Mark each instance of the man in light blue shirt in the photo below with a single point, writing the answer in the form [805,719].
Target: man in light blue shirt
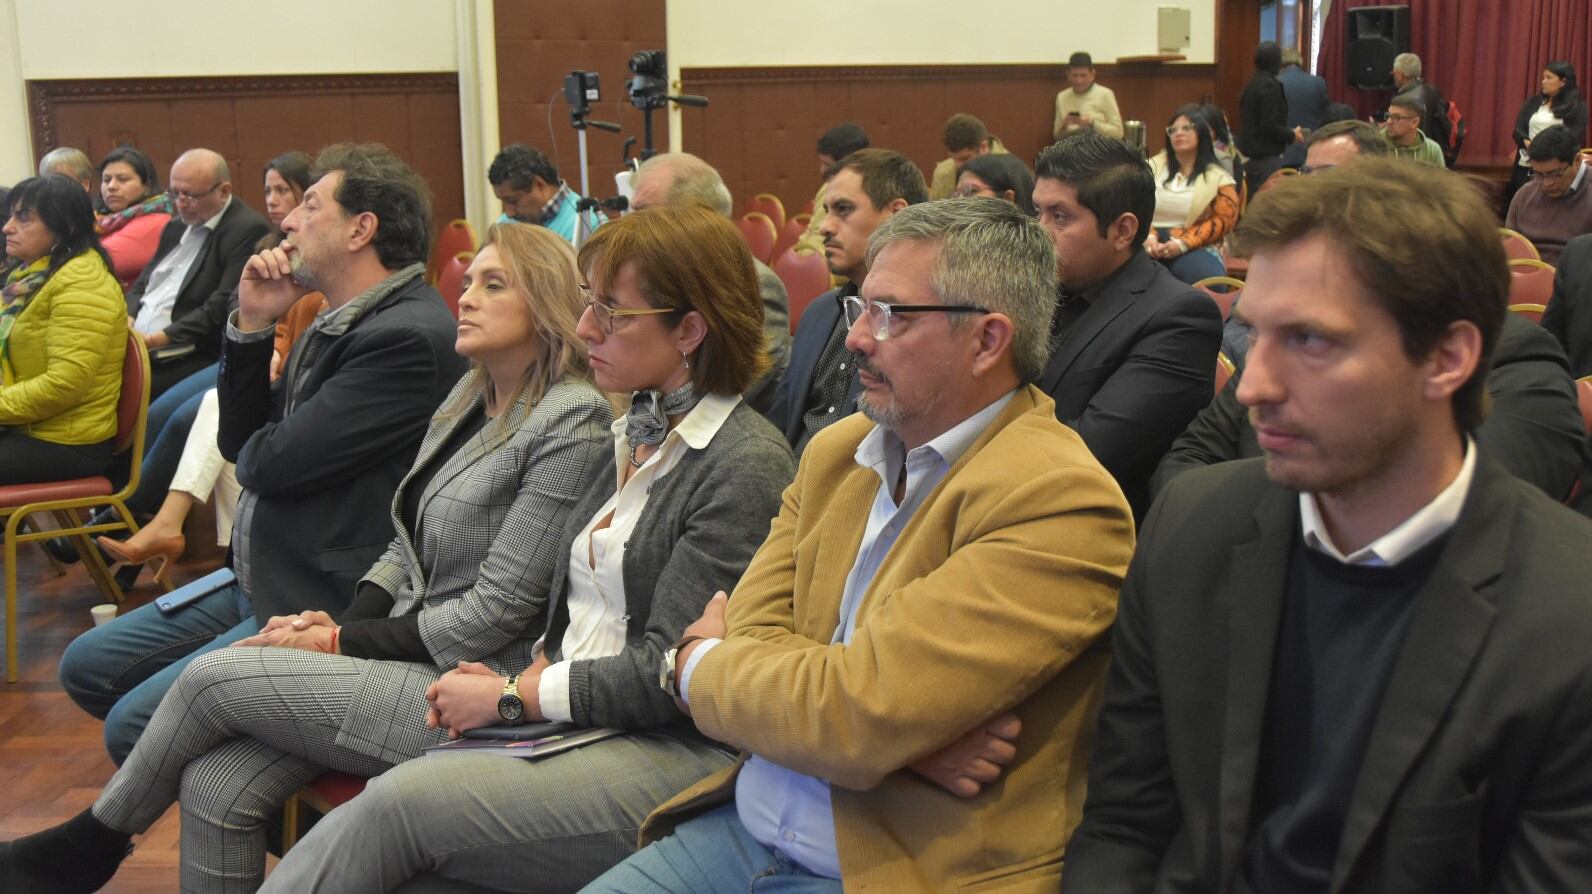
[528,185]
[956,538]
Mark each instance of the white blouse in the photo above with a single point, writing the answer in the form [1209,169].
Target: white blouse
[1540,121]
[1173,201]
[596,598]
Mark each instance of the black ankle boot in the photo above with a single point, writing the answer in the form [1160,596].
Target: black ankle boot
[80,854]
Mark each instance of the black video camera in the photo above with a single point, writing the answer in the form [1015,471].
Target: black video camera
[649,86]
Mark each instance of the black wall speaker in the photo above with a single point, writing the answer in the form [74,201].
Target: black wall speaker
[1374,35]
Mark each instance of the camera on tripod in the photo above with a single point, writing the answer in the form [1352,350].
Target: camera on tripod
[649,84]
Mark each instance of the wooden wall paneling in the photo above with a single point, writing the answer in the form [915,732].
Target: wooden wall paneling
[1237,36]
[250,120]
[537,45]
[763,123]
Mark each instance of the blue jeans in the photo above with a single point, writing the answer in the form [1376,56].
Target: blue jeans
[121,671]
[712,853]
[168,437]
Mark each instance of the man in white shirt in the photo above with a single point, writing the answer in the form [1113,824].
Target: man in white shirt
[180,302]
[924,609]
[1358,664]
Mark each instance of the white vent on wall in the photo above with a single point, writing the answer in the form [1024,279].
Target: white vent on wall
[1172,27]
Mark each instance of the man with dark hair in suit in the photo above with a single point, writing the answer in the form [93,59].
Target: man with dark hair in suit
[1360,663]
[1307,101]
[320,451]
[1133,350]
[862,191]
[180,302]
[836,143]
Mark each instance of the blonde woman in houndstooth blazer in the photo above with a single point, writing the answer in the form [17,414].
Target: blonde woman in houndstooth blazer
[479,521]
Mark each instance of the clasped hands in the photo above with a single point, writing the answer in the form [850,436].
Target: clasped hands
[466,697]
[1155,248]
[311,631]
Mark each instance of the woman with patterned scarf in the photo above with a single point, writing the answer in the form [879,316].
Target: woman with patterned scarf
[139,210]
[63,335]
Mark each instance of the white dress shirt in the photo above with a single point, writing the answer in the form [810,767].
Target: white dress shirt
[160,293]
[597,608]
[1427,524]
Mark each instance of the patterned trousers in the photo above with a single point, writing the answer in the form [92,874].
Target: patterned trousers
[240,731]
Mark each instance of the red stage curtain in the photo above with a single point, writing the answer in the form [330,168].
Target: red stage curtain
[1484,55]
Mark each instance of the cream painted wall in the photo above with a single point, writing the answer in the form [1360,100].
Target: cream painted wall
[175,38]
[43,39]
[728,33]
[720,33]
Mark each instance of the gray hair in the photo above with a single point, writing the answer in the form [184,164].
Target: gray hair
[1408,65]
[692,180]
[992,255]
[1292,56]
[71,162]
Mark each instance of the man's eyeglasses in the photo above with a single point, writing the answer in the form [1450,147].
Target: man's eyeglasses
[879,313]
[178,195]
[604,314]
[1176,129]
[1552,175]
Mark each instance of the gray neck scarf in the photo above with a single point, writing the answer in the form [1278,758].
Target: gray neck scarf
[648,421]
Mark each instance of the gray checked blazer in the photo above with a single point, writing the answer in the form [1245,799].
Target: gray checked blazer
[479,567]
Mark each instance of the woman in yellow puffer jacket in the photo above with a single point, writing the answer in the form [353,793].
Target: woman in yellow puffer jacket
[63,336]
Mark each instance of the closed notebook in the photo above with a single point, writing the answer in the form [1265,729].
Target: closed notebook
[528,748]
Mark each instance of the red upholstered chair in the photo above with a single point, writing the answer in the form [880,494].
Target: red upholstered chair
[769,204]
[325,794]
[1223,290]
[1532,312]
[450,280]
[1224,371]
[805,278]
[457,236]
[1517,246]
[760,234]
[65,498]
[794,228]
[1530,282]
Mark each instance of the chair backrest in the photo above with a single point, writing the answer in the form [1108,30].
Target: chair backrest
[1224,371]
[1517,246]
[769,204]
[792,231]
[1532,312]
[1223,290]
[805,278]
[1530,282]
[760,233]
[450,281]
[132,407]
[457,236]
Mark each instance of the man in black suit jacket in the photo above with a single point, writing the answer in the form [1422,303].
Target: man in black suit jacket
[1359,664]
[820,386]
[319,452]
[1533,428]
[1134,349]
[1569,319]
[188,286]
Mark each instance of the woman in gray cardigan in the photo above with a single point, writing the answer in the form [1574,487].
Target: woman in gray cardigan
[675,319]
[479,520]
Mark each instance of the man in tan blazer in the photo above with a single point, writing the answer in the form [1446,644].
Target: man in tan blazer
[911,663]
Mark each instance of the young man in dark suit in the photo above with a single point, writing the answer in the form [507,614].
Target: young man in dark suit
[820,387]
[179,302]
[1360,663]
[1133,350]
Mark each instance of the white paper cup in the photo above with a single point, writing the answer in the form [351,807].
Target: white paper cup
[103,614]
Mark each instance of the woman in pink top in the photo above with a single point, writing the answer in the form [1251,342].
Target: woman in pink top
[139,210]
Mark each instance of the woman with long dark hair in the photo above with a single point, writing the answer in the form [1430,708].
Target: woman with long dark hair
[998,176]
[1196,200]
[1558,101]
[137,209]
[63,336]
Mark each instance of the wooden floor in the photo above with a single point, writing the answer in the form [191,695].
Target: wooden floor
[52,755]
